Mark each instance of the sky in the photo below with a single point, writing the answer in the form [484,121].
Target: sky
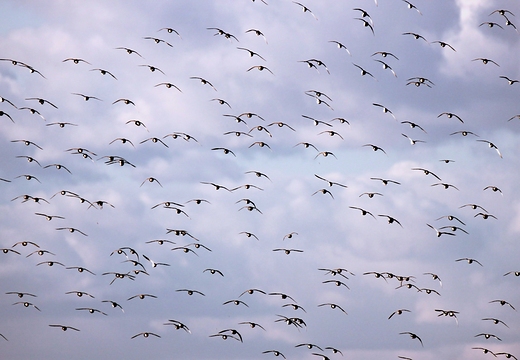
[247,162]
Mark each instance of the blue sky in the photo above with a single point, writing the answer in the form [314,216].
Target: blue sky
[331,231]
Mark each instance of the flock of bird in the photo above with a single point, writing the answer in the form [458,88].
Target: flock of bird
[56,178]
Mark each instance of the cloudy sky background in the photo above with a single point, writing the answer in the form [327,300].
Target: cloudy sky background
[330,233]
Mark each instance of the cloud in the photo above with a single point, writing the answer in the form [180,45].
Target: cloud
[330,233]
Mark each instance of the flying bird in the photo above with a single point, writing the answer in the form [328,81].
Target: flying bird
[364,14]
[363,211]
[61,124]
[492,146]
[336,282]
[316,122]
[290,235]
[510,81]
[217,187]
[376,274]
[168,85]
[248,234]
[507,355]
[375,147]
[170,31]
[331,183]
[153,68]
[190,291]
[485,61]
[309,346]
[129,51]
[157,40]
[80,269]
[324,154]
[495,321]
[27,304]
[398,312]
[92,310]
[288,251]
[305,9]
[386,181]
[464,133]
[391,220]
[260,144]
[413,141]
[64,327]
[137,123]
[151,179]
[323,191]
[320,63]
[340,46]
[154,140]
[232,332]
[427,172]
[445,185]
[221,102]
[363,71]
[453,228]
[333,306]
[502,302]
[2,113]
[203,81]
[123,140]
[367,24]
[317,94]
[502,12]
[71,230]
[178,325]
[307,145]
[235,302]
[416,36]
[419,80]
[104,72]
[274,352]
[444,44]
[87,97]
[32,111]
[494,189]
[79,293]
[412,6]
[385,54]
[3,99]
[434,277]
[370,194]
[385,109]
[20,294]
[488,336]
[223,33]
[450,313]
[145,335]
[141,296]
[413,336]
[213,271]
[439,232]
[257,33]
[310,64]
[386,66]
[282,295]
[252,324]
[485,215]
[125,101]
[320,101]
[470,261]
[473,206]
[491,24]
